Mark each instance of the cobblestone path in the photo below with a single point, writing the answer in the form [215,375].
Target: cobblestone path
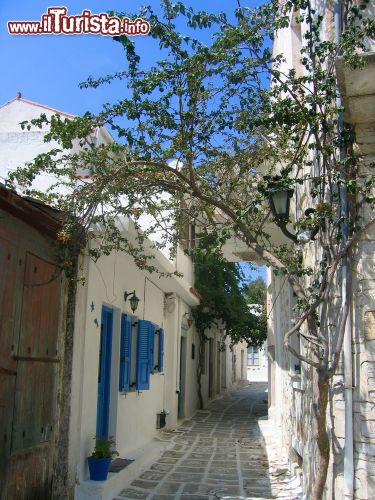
[219,453]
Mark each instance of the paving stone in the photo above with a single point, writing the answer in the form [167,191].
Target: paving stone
[167,460]
[145,485]
[196,488]
[129,493]
[188,477]
[222,483]
[162,467]
[230,477]
[152,476]
[194,470]
[226,470]
[193,463]
[172,454]
[168,488]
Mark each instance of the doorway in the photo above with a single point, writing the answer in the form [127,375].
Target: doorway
[104,372]
[218,367]
[210,367]
[181,394]
[224,370]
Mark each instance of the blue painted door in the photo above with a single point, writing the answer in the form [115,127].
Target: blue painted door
[104,376]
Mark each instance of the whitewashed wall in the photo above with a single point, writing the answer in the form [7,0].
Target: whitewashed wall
[132,419]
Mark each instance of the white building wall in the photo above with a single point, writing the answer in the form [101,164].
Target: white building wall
[132,419]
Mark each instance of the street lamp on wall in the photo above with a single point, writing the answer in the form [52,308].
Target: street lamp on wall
[189,318]
[134,300]
[279,200]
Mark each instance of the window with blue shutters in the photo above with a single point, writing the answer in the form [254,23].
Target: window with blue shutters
[125,353]
[143,355]
[161,350]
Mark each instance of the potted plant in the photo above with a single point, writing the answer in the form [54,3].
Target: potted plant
[101,458]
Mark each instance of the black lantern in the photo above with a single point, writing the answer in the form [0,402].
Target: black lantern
[134,300]
[279,196]
[279,199]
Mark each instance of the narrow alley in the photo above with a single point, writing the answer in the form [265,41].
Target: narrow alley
[222,452]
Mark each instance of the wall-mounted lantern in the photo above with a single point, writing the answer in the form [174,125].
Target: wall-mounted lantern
[134,300]
[279,200]
[189,318]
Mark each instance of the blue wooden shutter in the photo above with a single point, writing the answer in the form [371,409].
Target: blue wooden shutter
[143,355]
[125,353]
[151,347]
[161,350]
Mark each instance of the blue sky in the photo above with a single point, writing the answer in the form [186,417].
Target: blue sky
[48,68]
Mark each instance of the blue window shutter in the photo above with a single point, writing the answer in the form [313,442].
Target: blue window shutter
[161,350]
[125,353]
[143,355]
[151,345]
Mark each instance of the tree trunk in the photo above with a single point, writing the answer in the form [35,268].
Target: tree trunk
[320,402]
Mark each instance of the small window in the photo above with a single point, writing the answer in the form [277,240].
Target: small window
[188,236]
[253,355]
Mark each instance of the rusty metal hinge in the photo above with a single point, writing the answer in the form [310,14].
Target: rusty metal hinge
[5,371]
[45,359]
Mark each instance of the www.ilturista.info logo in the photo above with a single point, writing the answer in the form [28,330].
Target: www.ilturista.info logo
[56,22]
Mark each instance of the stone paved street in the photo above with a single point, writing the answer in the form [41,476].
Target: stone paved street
[219,453]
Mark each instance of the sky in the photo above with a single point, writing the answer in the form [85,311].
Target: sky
[48,68]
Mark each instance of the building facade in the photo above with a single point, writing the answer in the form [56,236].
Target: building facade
[351,417]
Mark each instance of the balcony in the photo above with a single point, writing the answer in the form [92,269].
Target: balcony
[357,87]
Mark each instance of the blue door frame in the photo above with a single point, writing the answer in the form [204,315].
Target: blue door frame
[104,376]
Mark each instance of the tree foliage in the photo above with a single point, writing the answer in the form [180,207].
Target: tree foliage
[223,296]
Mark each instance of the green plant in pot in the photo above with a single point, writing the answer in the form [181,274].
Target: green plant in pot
[101,458]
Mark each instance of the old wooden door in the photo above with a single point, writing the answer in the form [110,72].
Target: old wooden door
[30,288]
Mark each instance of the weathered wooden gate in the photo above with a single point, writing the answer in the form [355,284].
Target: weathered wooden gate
[30,326]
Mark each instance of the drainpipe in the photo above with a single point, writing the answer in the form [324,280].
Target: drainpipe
[347,346]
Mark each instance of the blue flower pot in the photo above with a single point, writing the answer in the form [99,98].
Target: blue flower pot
[99,468]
